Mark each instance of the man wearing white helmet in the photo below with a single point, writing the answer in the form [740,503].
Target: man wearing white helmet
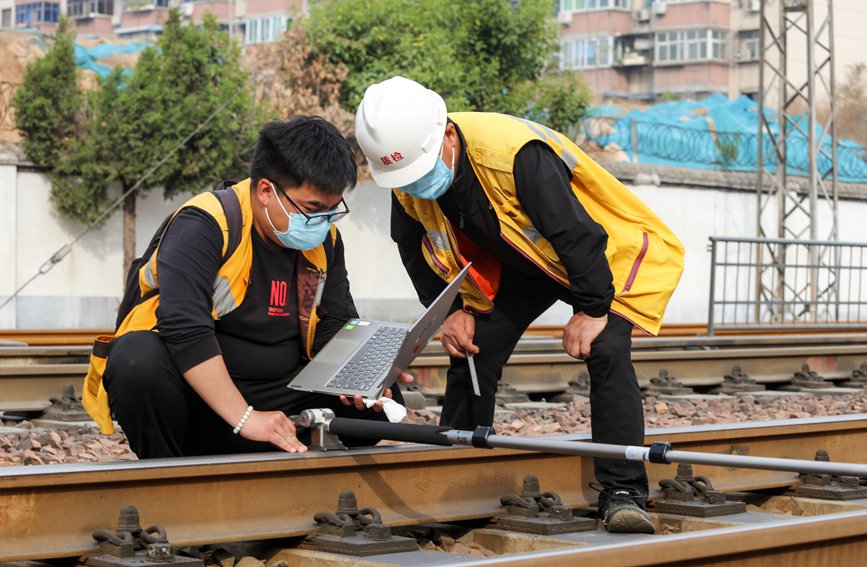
[541,222]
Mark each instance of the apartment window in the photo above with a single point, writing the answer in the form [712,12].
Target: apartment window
[592,53]
[749,45]
[37,13]
[719,43]
[586,5]
[691,45]
[7,18]
[84,7]
[252,32]
[265,30]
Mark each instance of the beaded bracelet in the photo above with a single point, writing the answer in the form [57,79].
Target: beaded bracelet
[243,420]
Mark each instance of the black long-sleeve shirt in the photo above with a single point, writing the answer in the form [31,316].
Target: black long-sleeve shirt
[543,187]
[260,339]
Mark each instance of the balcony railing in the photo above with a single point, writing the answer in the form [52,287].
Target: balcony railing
[89,8]
[143,5]
[632,59]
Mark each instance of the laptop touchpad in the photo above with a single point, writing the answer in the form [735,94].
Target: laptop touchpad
[339,349]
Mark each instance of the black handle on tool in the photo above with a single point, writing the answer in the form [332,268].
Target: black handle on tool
[371,429]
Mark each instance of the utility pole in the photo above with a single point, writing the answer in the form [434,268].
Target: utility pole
[231,21]
[787,210]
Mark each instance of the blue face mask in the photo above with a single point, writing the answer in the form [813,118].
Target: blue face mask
[435,183]
[299,235]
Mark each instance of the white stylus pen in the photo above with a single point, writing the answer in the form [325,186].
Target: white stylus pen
[473,376]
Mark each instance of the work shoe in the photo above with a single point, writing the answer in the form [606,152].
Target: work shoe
[621,515]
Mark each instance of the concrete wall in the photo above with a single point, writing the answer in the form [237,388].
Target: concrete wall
[8,242]
[83,290]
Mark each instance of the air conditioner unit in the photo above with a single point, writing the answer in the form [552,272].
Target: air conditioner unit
[754,5]
[643,15]
[187,9]
[659,8]
[564,18]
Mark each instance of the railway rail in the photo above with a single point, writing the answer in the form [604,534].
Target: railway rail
[52,511]
[31,375]
[85,337]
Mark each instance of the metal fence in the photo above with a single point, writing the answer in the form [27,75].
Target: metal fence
[780,283]
[701,147]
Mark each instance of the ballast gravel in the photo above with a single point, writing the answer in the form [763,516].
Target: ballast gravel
[25,444]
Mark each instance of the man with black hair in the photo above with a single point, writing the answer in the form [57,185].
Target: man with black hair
[227,315]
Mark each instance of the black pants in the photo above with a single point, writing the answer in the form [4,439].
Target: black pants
[615,397]
[162,416]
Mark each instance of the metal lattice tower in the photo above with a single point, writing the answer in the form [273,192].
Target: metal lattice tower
[790,30]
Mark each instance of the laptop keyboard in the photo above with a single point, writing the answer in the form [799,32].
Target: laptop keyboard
[371,362]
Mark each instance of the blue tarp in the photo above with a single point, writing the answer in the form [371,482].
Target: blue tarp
[714,133]
[88,57]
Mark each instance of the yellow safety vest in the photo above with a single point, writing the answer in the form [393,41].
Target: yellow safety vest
[230,288]
[645,257]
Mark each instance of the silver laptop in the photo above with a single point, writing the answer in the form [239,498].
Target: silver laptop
[366,357]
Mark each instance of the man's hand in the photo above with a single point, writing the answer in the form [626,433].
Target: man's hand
[457,335]
[212,382]
[358,401]
[275,428]
[580,332]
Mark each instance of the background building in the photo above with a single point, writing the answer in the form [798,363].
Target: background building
[7,14]
[643,49]
[647,49]
[250,21]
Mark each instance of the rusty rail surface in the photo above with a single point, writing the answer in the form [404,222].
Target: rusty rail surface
[51,337]
[85,337]
[51,511]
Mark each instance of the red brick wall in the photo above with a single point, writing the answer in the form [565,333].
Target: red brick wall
[99,26]
[703,75]
[603,22]
[272,6]
[694,14]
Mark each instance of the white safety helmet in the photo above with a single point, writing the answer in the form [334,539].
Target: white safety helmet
[400,126]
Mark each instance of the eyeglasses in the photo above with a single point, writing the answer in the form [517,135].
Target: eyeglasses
[317,218]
